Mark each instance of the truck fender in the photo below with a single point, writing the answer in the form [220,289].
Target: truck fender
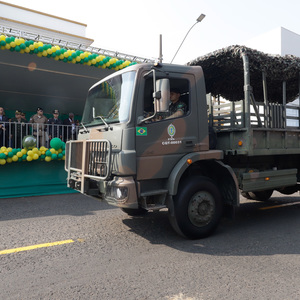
[213,168]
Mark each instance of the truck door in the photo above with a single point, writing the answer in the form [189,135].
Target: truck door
[163,140]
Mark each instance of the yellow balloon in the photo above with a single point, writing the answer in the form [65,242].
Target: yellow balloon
[23,151]
[9,160]
[52,150]
[2,161]
[30,153]
[3,148]
[35,156]
[40,44]
[44,53]
[29,158]
[9,149]
[48,158]
[18,42]
[31,47]
[13,44]
[19,154]
[7,46]
[2,37]
[49,51]
[15,158]
[35,150]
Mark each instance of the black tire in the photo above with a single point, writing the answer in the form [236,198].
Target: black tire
[197,208]
[134,212]
[261,195]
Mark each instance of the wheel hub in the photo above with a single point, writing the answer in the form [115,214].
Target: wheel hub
[201,208]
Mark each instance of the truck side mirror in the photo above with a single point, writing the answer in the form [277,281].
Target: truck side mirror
[163,90]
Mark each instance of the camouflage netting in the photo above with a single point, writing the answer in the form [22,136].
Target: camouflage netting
[224,75]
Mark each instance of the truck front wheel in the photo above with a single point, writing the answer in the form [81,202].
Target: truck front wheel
[197,208]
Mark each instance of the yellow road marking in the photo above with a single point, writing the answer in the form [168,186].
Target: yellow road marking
[15,250]
[280,205]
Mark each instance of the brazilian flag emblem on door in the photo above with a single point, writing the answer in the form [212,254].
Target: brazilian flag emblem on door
[141,131]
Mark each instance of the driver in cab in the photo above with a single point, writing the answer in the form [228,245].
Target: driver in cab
[177,108]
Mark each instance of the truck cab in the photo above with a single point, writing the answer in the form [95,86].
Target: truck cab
[133,154]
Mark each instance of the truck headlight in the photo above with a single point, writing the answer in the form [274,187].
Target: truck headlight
[121,193]
[118,193]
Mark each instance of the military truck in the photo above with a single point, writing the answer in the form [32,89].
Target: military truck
[238,134]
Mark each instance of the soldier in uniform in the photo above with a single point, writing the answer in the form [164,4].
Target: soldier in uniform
[3,128]
[18,129]
[55,127]
[39,126]
[177,108]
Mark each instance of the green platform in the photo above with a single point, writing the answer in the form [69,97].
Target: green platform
[34,178]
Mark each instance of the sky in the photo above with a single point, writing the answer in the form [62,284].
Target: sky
[134,26]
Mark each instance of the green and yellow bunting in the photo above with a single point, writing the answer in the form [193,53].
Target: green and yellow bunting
[21,45]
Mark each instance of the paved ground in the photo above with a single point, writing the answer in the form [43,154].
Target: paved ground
[108,255]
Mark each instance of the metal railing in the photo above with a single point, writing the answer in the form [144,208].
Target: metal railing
[12,133]
[72,45]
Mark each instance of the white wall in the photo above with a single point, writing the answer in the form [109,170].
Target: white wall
[44,24]
[277,41]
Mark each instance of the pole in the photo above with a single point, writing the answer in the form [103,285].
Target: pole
[199,19]
[160,58]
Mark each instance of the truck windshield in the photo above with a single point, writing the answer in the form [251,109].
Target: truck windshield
[109,101]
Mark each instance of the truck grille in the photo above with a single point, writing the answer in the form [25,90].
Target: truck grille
[90,159]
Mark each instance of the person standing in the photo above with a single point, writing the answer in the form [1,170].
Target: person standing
[18,129]
[70,129]
[3,128]
[39,127]
[55,125]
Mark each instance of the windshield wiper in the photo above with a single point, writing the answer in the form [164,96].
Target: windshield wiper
[102,119]
[85,129]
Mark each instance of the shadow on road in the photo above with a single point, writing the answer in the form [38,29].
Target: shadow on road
[254,231]
[43,206]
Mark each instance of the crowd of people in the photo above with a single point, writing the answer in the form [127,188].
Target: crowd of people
[13,130]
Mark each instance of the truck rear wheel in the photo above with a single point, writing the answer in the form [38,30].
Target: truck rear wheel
[197,208]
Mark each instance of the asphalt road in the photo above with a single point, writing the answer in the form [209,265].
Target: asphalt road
[105,254]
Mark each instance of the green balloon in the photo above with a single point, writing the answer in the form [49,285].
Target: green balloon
[2,156]
[54,156]
[29,141]
[56,143]
[48,153]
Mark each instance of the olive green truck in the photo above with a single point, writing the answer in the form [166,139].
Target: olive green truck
[239,134]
